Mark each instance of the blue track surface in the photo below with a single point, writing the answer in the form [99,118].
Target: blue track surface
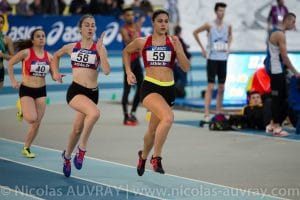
[41,177]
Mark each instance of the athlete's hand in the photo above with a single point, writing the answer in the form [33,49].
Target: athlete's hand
[58,77]
[131,79]
[100,41]
[204,53]
[15,84]
[177,44]
[101,48]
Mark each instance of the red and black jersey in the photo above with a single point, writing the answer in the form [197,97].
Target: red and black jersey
[134,55]
[35,66]
[85,58]
[160,56]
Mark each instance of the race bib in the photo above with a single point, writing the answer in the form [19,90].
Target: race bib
[83,57]
[220,46]
[39,69]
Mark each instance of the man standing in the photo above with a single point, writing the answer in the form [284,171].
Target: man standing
[129,32]
[277,63]
[219,41]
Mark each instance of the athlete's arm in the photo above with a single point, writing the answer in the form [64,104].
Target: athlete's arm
[204,27]
[229,38]
[103,55]
[132,47]
[54,66]
[183,61]
[280,37]
[21,55]
[125,36]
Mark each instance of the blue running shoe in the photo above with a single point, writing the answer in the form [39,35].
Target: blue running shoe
[78,159]
[67,165]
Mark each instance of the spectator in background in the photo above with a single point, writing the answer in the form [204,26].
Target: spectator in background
[22,8]
[171,7]
[78,7]
[53,7]
[219,41]
[36,7]
[276,14]
[130,31]
[277,64]
[254,115]
[136,7]
[5,7]
[146,8]
[112,8]
[180,76]
[95,7]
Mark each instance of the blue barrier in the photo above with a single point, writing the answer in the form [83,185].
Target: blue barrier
[63,29]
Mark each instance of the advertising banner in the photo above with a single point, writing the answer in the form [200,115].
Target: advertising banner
[64,29]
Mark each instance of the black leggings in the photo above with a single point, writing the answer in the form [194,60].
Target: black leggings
[279,105]
[137,70]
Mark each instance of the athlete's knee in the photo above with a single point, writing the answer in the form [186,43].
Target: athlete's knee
[210,87]
[95,115]
[77,130]
[32,119]
[221,88]
[168,118]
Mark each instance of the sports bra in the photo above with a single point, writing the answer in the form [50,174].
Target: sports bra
[85,58]
[158,56]
[35,66]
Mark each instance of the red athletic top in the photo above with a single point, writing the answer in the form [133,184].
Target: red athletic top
[158,55]
[85,58]
[134,55]
[35,66]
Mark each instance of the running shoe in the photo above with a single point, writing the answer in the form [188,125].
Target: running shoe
[206,118]
[27,153]
[156,164]
[19,116]
[67,165]
[78,159]
[141,164]
[128,121]
[133,119]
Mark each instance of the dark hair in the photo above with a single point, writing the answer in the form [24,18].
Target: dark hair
[158,12]
[289,16]
[220,4]
[126,10]
[2,17]
[250,93]
[177,30]
[83,18]
[25,44]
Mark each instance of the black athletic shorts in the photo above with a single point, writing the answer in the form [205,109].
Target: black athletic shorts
[167,92]
[32,92]
[75,89]
[216,68]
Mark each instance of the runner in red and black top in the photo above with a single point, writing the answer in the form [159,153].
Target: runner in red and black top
[157,92]
[32,89]
[129,32]
[82,95]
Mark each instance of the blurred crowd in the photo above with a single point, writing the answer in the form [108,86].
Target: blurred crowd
[59,7]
